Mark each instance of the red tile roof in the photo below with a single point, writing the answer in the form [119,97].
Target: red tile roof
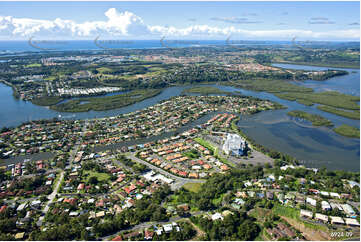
[3,208]
[130,188]
[118,238]
[148,234]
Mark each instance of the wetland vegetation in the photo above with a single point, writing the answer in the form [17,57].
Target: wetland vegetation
[105,103]
[355,114]
[316,120]
[348,131]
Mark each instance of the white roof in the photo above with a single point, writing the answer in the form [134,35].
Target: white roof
[217,216]
[168,227]
[325,205]
[196,167]
[73,213]
[347,208]
[163,178]
[311,201]
[334,194]
[36,202]
[21,207]
[321,216]
[286,167]
[325,193]
[306,213]
[352,221]
[248,184]
[337,220]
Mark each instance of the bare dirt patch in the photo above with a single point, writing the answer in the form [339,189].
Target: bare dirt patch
[308,233]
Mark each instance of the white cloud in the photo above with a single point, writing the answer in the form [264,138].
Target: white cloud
[127,24]
[117,24]
[288,34]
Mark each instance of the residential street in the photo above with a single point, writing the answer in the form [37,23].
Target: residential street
[178,181]
[148,224]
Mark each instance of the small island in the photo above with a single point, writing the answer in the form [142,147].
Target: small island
[105,103]
[355,114]
[316,120]
[205,90]
[347,131]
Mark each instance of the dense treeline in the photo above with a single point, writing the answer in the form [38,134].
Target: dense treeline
[235,226]
[217,185]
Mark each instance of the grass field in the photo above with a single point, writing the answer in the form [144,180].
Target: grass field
[33,65]
[50,78]
[205,144]
[100,176]
[294,213]
[286,211]
[193,187]
[214,150]
[104,70]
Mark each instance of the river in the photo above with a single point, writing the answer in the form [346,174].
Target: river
[314,146]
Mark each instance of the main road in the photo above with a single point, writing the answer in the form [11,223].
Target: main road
[52,195]
[179,181]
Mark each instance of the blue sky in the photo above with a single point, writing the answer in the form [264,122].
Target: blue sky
[181,20]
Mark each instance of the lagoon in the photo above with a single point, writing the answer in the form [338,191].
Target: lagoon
[314,146]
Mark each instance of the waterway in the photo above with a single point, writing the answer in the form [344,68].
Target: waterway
[314,146]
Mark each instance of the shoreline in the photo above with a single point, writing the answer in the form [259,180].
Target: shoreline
[317,65]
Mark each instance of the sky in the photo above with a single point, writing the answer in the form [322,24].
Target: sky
[331,21]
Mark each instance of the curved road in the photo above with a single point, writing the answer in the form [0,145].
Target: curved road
[179,181]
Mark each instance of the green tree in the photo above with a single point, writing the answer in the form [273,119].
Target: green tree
[93,180]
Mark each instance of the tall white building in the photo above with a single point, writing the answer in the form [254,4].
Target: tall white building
[234,145]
